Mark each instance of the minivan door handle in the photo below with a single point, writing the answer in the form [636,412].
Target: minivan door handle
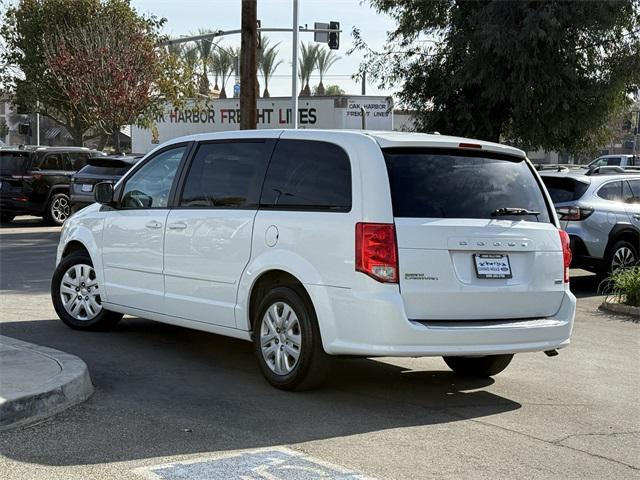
[153,224]
[177,226]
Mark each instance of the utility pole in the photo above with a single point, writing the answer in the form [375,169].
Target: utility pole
[294,68]
[249,65]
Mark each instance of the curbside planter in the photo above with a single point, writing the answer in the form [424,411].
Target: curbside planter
[26,395]
[620,309]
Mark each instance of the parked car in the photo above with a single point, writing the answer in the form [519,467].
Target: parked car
[320,243]
[601,214]
[109,168]
[621,160]
[35,181]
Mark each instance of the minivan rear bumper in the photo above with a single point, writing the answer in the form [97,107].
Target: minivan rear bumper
[375,324]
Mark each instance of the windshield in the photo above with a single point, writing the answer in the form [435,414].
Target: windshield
[459,184]
[13,162]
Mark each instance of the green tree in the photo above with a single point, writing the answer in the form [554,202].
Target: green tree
[548,74]
[88,63]
[205,49]
[268,63]
[326,59]
[329,90]
[222,62]
[306,65]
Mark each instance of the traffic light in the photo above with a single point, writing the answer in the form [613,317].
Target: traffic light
[334,37]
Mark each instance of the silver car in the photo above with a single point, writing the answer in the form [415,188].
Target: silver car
[601,214]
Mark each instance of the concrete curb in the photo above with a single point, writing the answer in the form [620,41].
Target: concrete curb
[620,309]
[29,401]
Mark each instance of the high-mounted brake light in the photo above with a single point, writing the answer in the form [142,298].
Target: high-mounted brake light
[377,251]
[470,145]
[566,253]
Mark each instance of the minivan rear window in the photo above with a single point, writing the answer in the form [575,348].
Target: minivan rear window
[13,162]
[449,183]
[564,189]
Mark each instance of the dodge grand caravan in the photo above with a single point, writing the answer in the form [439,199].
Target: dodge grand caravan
[319,243]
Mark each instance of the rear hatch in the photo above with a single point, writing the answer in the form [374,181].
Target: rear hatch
[99,169]
[13,167]
[475,236]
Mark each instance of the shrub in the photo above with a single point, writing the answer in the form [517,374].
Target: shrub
[624,286]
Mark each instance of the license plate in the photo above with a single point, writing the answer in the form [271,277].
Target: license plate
[87,188]
[492,265]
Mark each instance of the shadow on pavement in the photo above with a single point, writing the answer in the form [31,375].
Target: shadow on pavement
[585,284]
[164,390]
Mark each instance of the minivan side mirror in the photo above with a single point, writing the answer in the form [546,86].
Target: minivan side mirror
[104,193]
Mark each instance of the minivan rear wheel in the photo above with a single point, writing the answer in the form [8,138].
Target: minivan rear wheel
[478,367]
[76,295]
[287,340]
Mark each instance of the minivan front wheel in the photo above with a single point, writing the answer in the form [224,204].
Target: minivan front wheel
[76,295]
[287,341]
[58,210]
[478,367]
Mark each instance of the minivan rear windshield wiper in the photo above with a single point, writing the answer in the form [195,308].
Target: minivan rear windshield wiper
[506,211]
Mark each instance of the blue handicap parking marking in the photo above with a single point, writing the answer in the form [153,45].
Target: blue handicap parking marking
[271,464]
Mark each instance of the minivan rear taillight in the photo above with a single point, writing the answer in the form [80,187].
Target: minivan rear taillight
[573,213]
[566,253]
[376,251]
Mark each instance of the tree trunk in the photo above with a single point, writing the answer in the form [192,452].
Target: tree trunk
[248,65]
[320,88]
[265,94]
[223,93]
[116,140]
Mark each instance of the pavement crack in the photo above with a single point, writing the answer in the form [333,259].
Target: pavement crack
[555,442]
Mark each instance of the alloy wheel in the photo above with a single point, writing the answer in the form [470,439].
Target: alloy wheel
[623,257]
[60,209]
[80,292]
[280,338]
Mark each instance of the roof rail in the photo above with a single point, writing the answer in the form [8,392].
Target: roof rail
[612,169]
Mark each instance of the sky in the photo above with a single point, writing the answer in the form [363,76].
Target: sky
[186,17]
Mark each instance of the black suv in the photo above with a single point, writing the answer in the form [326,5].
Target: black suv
[35,181]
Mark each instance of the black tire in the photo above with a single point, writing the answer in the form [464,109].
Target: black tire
[58,209]
[313,363]
[104,320]
[617,250]
[6,217]
[478,367]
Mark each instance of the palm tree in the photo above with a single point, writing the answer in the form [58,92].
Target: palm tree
[222,63]
[267,63]
[204,48]
[307,64]
[325,60]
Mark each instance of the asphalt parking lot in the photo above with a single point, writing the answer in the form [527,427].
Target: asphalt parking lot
[170,402]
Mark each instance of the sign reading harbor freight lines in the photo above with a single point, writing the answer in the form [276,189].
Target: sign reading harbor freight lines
[223,115]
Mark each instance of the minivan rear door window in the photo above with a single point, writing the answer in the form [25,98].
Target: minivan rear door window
[444,183]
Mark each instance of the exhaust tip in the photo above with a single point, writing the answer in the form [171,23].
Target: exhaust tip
[551,353]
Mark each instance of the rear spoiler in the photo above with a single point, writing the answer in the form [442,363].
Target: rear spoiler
[111,162]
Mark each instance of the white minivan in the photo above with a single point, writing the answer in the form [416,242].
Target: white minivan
[314,243]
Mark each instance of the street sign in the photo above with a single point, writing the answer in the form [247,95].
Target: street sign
[321,37]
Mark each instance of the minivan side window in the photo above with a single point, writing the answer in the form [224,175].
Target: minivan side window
[308,175]
[150,186]
[611,191]
[226,175]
